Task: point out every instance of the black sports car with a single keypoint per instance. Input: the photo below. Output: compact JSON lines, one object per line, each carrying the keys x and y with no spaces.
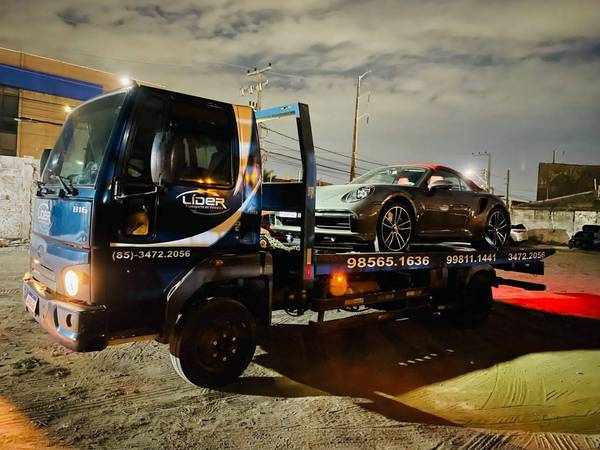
{"x":391,"y":207}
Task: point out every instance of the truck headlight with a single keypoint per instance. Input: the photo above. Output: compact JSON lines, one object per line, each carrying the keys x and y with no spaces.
{"x":71,"y":280}
{"x":359,"y":194}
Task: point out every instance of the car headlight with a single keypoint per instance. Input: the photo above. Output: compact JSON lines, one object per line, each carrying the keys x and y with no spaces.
{"x":71,"y":280}
{"x":359,"y":194}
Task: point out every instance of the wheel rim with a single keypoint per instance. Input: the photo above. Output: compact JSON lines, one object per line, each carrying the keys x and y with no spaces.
{"x":396,"y":228}
{"x":496,"y":230}
{"x":218,"y":346}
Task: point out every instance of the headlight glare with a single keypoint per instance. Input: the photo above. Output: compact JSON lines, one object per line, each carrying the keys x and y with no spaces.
{"x":71,"y":283}
{"x":359,"y":194}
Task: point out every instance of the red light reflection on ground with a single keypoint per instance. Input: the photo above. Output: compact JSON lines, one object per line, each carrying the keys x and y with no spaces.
{"x":580,"y":304}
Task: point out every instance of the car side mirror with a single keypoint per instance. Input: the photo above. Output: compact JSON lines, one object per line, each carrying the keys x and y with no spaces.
{"x":441,"y":185}
{"x":44,"y":159}
{"x":163,"y":159}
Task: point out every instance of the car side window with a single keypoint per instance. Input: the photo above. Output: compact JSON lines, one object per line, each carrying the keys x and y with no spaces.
{"x":448,"y":177}
{"x":203,"y":143}
{"x":464,"y":186}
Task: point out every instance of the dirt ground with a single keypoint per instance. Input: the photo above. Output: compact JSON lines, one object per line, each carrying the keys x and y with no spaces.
{"x":529,"y":378}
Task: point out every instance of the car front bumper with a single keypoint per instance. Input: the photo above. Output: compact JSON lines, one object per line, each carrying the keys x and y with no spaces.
{"x":353,"y":225}
{"x":78,"y":327}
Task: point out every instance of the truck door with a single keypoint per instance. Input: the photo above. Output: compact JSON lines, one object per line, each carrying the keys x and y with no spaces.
{"x":160,"y":231}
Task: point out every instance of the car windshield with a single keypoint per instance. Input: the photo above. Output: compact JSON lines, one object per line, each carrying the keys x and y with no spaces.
{"x":80,"y":147}
{"x":402,"y":176}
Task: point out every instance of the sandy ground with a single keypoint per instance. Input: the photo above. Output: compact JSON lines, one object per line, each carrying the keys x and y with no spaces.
{"x":529,"y":378}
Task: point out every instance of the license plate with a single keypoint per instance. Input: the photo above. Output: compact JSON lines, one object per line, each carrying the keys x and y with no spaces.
{"x":31,"y":302}
{"x":288,"y":214}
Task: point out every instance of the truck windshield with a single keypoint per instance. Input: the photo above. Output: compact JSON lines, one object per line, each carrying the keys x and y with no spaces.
{"x":80,"y":147}
{"x":402,"y":175}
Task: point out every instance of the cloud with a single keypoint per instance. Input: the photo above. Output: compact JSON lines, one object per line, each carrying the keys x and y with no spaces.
{"x":518,"y":78}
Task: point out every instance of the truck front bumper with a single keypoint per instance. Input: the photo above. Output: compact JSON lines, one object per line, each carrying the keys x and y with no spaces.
{"x":78,"y":327}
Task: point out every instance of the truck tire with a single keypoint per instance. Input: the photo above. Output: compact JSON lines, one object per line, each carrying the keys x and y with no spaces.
{"x":474,"y":304}
{"x":213,"y":342}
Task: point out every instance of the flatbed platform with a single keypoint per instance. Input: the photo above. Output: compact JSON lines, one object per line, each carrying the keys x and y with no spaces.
{"x":436,"y":257}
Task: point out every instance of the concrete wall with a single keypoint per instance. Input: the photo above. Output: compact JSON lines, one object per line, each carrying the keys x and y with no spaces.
{"x":17,"y":189}
{"x":553,"y":225}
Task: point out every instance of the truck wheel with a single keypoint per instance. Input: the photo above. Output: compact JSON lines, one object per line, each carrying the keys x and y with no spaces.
{"x":213,"y":343}
{"x":474,"y":303}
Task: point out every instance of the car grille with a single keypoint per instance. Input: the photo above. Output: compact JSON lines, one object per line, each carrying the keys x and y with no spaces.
{"x":333,"y":221}
{"x":289,"y":221}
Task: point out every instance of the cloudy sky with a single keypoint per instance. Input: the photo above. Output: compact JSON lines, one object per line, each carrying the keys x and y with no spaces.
{"x":515,"y":78}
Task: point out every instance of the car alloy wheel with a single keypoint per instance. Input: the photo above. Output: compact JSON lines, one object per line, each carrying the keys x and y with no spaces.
{"x":496,"y":229}
{"x":395,"y":229}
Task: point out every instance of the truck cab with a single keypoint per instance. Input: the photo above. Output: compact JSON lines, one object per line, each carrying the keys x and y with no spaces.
{"x":142,"y":186}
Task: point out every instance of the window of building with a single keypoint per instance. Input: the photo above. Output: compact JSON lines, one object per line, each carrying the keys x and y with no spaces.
{"x":9,"y":111}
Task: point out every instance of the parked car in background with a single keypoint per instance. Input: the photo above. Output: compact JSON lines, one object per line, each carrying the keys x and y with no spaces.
{"x":588,"y":238}
{"x":518,"y":234}
{"x":392,"y":207}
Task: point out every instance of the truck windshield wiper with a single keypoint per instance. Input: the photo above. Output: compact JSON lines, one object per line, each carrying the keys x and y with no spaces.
{"x":71,"y":190}
{"x":42,"y":189}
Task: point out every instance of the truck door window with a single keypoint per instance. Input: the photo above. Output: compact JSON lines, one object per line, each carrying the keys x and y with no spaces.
{"x":150,"y":119}
{"x":202,"y":138}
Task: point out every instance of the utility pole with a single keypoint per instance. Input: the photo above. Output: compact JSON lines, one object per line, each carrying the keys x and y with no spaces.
{"x":508,"y":188}
{"x":357,"y":118}
{"x":488,"y":177}
{"x":257,"y":87}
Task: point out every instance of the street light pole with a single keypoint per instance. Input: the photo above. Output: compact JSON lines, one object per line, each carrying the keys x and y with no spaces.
{"x":357,"y":118}
{"x":508,"y":202}
{"x":488,"y":177}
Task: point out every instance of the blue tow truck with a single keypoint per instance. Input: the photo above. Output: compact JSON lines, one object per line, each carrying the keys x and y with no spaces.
{"x":146,"y":225}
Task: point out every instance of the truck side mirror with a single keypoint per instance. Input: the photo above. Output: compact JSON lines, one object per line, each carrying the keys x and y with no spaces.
{"x":164,"y":159}
{"x":44,"y":159}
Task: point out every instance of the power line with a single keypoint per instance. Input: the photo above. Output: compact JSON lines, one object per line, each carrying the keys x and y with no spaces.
{"x":326,"y":173}
{"x":377,"y":163}
{"x":296,"y":151}
{"x":318,"y":164}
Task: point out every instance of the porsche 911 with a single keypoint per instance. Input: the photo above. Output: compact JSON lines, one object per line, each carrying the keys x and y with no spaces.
{"x":390,"y":208}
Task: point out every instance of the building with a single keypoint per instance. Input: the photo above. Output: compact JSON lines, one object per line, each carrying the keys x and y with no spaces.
{"x":36,"y":94}
{"x":559,"y":180}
